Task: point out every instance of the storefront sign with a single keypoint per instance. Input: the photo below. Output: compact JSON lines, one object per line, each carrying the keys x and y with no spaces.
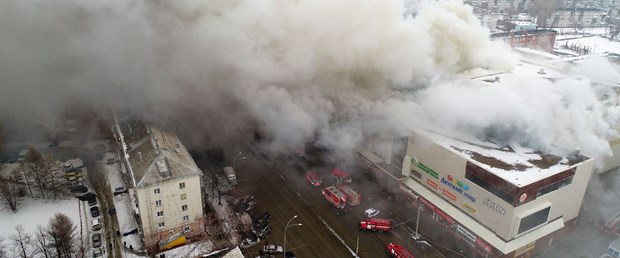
{"x":468,"y":235}
{"x":424,"y":168}
{"x":470,"y":209}
{"x":441,"y":190}
{"x":458,"y":186}
{"x":437,"y":211}
{"x":495,"y":206}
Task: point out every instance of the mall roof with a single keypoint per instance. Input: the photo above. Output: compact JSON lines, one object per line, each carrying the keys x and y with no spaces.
{"x":516,"y":164}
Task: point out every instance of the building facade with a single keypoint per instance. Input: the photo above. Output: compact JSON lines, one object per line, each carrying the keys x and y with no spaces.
{"x":502,"y":201}
{"x":577,"y":18}
{"x":534,"y":39}
{"x":165,"y":184}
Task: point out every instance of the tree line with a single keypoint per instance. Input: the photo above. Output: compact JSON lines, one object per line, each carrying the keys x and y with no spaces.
{"x":56,"y":240}
{"x":38,"y":176}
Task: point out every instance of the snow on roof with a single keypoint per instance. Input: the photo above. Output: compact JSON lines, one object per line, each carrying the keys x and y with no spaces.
{"x":516,"y":164}
{"x":156,"y":154}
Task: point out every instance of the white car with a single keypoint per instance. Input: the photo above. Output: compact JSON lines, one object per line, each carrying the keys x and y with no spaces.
{"x":96,"y":225}
{"x":371,"y":213}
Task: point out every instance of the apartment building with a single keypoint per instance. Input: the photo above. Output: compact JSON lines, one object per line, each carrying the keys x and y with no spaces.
{"x":165,"y":184}
{"x":577,"y":17}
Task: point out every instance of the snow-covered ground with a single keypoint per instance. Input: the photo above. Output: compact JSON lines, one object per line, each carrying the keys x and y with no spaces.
{"x":583,"y":31}
{"x":123,"y":203}
{"x":191,"y":250}
{"x":596,"y":44}
{"x":37,"y":212}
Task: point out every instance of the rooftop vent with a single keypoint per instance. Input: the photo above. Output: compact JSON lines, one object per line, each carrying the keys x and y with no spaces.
{"x":162,"y":166}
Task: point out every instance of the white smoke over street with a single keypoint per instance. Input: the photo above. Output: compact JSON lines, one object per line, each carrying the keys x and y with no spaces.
{"x":294,"y":70}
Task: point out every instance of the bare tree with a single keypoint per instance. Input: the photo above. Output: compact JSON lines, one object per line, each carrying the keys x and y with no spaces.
{"x":543,"y":10}
{"x":61,"y":231}
{"x":4,"y":252}
{"x":22,"y":171}
{"x":42,"y":242}
{"x":10,"y":192}
{"x":22,"y":242}
{"x":36,"y":167}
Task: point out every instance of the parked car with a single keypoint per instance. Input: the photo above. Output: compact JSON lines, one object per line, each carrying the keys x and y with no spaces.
{"x":371,"y":213}
{"x":249,"y":241}
{"x":271,"y":249}
{"x":262,"y":220}
{"x":289,"y":254}
{"x":79,"y":189}
{"x":96,"y":225}
{"x":97,"y":252}
{"x":94,"y":211}
{"x":92,"y":201}
{"x":313,"y":179}
{"x":249,"y":205}
{"x":96,"y":240}
{"x":262,"y":231}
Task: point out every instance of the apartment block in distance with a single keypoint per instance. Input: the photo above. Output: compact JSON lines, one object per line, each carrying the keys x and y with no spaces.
{"x":165,"y":184}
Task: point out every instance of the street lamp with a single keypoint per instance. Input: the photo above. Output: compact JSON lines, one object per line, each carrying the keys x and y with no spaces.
{"x":235,"y":160}
{"x":416,"y":235}
{"x":286,"y":228}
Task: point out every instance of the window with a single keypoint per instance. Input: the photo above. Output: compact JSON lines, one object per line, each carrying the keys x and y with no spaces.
{"x":489,"y":187}
{"x":160,"y":213}
{"x":161,"y":224}
{"x":534,"y":220}
{"x":182,"y":185}
{"x":184,"y":207}
{"x":555,"y":186}
{"x":156,"y":191}
{"x":186,"y":228}
{"x":186,"y":218}
{"x":158,"y":203}
{"x":183,"y":196}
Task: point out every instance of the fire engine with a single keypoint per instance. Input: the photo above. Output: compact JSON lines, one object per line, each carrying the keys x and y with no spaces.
{"x":343,"y":177}
{"x":353,"y":198}
{"x":376,"y":224}
{"x":396,"y":250}
{"x":334,"y":196}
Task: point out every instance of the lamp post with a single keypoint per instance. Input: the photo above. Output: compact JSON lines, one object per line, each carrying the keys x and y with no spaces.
{"x":416,"y":235}
{"x":286,"y":228}
{"x":238,"y":157}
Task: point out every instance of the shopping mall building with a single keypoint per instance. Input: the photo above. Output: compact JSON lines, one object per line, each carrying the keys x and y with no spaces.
{"x":501,"y":200}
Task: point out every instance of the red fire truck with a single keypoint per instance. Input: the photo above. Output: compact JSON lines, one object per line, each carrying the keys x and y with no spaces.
{"x":398,"y":251}
{"x":353,"y":198}
{"x":376,"y":224}
{"x":342,"y":176}
{"x":334,"y":196}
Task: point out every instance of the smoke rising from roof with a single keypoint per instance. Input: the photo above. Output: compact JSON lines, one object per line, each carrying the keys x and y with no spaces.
{"x":293,"y":70}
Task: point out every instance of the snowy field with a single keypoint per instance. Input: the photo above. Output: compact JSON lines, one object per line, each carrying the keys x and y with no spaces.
{"x":37,"y":212}
{"x":598,"y":44}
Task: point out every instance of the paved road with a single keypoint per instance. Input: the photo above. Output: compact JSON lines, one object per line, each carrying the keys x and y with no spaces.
{"x":280,"y":189}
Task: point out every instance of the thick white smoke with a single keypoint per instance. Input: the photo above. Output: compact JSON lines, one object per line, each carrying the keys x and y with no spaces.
{"x":294,"y":70}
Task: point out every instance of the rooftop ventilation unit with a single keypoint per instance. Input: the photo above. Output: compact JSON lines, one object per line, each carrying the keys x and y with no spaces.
{"x":162,"y":165}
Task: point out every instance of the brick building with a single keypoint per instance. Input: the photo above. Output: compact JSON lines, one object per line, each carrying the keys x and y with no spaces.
{"x":535,"y":39}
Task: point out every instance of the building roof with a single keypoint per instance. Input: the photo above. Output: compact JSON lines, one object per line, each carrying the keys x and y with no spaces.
{"x":515,"y":164}
{"x":520,"y":33}
{"x":156,"y":155}
{"x":580,"y":9}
